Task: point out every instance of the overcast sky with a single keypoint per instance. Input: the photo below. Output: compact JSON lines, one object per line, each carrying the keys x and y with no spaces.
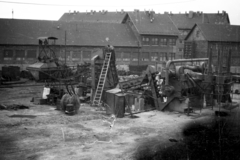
{"x":53,"y":9}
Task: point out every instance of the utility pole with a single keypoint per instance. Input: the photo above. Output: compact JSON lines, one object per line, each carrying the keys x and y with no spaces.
{"x":65,"y":47}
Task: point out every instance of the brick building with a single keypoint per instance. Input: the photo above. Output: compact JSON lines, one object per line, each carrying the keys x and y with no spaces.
{"x":202,"y":37}
{"x":139,"y":37}
{"x":185,"y":22}
{"x":19,"y":44}
{"x":157,"y":36}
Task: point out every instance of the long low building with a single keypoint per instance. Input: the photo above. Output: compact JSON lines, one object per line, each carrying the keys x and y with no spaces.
{"x":19,"y":40}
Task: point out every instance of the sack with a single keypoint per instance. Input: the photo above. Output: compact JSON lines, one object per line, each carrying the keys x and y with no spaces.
{"x":46,"y":91}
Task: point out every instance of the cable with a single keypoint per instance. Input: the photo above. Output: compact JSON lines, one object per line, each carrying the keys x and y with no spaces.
{"x":75,"y":5}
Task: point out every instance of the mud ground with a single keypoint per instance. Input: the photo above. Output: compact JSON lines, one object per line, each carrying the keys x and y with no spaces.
{"x":44,"y":133}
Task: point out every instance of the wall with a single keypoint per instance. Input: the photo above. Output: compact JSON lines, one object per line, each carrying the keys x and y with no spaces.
{"x":201,"y":49}
{"x":224,"y":47}
{"x":13,"y":59}
{"x":74,"y":55}
{"x":158,"y":52}
{"x":196,"y":35}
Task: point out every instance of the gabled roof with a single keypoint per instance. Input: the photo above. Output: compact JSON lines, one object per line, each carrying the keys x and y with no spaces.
{"x":188,"y":20}
{"x":160,"y":25}
{"x":218,"y":33}
{"x":26,"y":32}
{"x":103,"y":16}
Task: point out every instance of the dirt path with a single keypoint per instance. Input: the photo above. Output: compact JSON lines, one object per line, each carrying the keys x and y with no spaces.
{"x":43,"y":133}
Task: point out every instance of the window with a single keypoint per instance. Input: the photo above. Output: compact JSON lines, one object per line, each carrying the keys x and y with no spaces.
{"x":197,"y":33}
{"x":180,"y":41}
{"x":8,"y":55}
{"x":171,"y":42}
{"x":126,"y":56}
{"x":20,"y":55}
{"x":31,"y":54}
{"x":186,"y":32}
{"x":118,"y":56}
{"x":180,"y":49}
{"x":162,"y":56}
{"x":171,"y":56}
{"x":134,"y":56}
{"x":163,"y":41}
{"x":144,"y":56}
{"x":154,"y":56}
{"x":145,"y":40}
{"x":86,"y":55}
{"x":76,"y":56}
{"x":154,"y":41}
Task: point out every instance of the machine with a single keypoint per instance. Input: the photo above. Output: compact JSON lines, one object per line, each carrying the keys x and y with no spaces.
{"x":194,"y":79}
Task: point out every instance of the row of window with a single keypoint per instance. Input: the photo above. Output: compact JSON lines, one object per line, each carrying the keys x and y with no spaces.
{"x":156,"y":41}
{"x":86,"y":55}
{"x":225,"y":46}
{"x":19,"y":54}
{"x":145,"y":56}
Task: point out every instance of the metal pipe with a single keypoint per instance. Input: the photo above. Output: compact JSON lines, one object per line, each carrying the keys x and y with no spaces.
{"x":210,"y":60}
{"x":33,"y":85}
{"x":180,"y":60}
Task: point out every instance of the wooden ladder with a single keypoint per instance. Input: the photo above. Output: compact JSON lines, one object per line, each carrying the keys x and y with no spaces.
{"x":102,"y":80}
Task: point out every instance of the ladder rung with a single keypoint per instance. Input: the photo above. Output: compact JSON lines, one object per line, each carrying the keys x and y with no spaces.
{"x":102,"y":79}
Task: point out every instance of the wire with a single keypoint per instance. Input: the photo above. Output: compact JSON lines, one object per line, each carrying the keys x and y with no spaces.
{"x":75,"y":5}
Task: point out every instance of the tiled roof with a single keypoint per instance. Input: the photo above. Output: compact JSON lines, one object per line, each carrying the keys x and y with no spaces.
{"x":24,"y":32}
{"x":106,"y":17}
{"x":183,"y":21}
{"x":160,"y":25}
{"x":220,"y":33}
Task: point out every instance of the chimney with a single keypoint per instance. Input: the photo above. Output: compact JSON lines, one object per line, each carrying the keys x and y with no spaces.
{"x":203,"y":18}
{"x":151,"y":16}
{"x":122,"y":11}
{"x":165,"y":12}
{"x":190,"y":14}
{"x":223,"y":13}
{"x":136,"y":10}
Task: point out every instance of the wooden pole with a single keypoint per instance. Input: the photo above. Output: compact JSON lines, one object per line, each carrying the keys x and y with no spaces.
{"x":65,"y":47}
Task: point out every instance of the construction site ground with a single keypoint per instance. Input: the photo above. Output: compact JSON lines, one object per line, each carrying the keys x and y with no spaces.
{"x":44,"y":133}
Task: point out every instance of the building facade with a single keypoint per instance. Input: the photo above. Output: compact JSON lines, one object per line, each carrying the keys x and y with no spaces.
{"x":185,"y":22}
{"x":220,"y":39}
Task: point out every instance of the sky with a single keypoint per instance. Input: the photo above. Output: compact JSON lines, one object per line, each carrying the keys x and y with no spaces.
{"x":54,"y":9}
